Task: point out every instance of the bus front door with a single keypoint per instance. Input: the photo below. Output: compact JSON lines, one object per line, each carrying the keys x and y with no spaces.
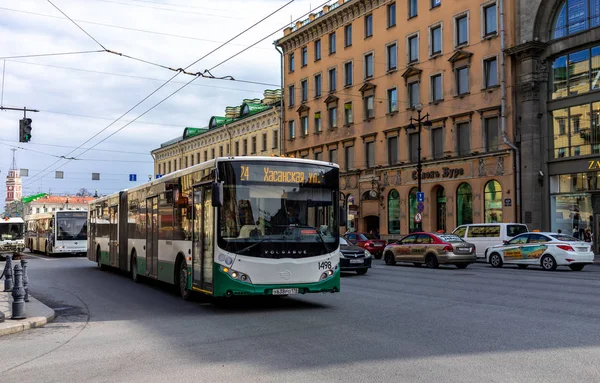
{"x":113,"y":250}
{"x":202,"y":238}
{"x":152,"y":237}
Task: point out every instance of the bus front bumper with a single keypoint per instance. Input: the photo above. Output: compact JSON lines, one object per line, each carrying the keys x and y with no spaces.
{"x":225,"y":286}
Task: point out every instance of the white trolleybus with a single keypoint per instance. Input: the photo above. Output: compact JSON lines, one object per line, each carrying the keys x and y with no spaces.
{"x":12,"y":232}
{"x":225,"y":227}
{"x":57,"y":232}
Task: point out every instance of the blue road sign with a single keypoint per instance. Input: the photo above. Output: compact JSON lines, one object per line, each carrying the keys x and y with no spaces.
{"x":133,"y":177}
{"x":420,"y":197}
{"x":420,"y":207}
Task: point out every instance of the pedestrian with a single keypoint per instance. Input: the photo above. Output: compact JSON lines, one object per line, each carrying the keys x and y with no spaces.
{"x":377,"y":235}
{"x":587,"y":235}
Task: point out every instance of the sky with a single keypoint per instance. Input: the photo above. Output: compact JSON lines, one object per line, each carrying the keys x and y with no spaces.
{"x":79,"y":95}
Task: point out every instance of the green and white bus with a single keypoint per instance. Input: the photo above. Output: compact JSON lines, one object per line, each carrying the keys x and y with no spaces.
{"x":226,"y":227}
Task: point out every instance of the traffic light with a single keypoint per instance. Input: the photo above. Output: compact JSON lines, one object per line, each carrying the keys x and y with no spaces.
{"x":25,"y":130}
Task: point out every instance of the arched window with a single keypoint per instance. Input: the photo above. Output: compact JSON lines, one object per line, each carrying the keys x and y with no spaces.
{"x":393,"y":212}
{"x":464,"y":204}
{"x":492,"y":202}
{"x":575,"y":16}
{"x":412,"y":209}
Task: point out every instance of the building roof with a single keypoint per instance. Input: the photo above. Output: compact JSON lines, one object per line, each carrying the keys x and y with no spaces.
{"x":74,"y":200}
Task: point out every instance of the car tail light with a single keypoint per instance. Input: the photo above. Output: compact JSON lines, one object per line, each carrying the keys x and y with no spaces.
{"x":569,"y":259}
{"x":565,"y":247}
{"x":368,"y":244}
{"x":448,"y":248}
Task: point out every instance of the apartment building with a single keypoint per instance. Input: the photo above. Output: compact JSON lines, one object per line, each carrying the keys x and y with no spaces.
{"x":356,"y":72}
{"x":252,"y":128}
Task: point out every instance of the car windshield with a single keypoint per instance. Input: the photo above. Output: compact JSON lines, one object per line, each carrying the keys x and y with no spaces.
{"x":449,"y":237}
{"x":518,"y":240}
{"x":344,"y":242}
{"x":564,"y":237}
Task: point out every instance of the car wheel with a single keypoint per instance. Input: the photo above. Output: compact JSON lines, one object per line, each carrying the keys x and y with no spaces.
{"x":462,"y":265}
{"x":183,"y":278}
{"x":431,"y":261}
{"x":389,"y":258}
{"x":548,"y":263}
{"x":496,"y":260}
{"x":417,"y":264}
{"x":576,"y":267}
{"x":362,"y":271}
{"x":522,"y":266}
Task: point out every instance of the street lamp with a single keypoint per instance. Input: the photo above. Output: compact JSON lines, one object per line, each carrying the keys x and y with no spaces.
{"x":426,"y":123}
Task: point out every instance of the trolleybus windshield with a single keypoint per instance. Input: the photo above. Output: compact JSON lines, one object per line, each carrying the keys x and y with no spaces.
{"x":278,"y":210}
{"x":71,"y":226}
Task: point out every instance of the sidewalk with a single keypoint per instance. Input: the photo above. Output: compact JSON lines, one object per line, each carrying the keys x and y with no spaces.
{"x":38,"y":314}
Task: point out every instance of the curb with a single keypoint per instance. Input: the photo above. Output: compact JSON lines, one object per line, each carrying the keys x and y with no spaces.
{"x":42,"y":315}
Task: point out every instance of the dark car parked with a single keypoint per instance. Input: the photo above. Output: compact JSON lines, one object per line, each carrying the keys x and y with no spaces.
{"x":354,"y":258}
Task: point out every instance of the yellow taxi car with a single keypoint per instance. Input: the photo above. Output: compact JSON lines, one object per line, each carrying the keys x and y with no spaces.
{"x":431,"y":249}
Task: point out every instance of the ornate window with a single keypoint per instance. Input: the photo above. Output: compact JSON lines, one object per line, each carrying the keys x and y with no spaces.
{"x":464,"y":204}
{"x":493,"y":202}
{"x":393,"y":212}
{"x":575,"y":16}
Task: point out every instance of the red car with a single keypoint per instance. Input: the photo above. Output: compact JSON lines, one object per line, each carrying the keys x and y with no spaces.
{"x":368,"y":242}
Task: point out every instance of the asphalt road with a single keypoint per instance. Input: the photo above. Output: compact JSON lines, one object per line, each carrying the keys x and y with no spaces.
{"x":395,"y":324}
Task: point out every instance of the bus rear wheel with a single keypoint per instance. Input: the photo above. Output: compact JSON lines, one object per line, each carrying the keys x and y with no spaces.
{"x":183,"y":282}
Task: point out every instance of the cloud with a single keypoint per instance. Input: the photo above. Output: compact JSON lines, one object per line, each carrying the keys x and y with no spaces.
{"x":62,"y":93}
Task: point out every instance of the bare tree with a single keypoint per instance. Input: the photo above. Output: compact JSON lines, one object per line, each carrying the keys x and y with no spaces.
{"x":83,"y":192}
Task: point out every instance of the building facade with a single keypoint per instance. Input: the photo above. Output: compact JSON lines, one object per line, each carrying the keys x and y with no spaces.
{"x":557,"y":66}
{"x":253,"y":128}
{"x":355,"y":74}
{"x":49,"y":203}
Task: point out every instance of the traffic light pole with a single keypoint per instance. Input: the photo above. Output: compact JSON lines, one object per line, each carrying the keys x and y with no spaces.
{"x":24,"y":109}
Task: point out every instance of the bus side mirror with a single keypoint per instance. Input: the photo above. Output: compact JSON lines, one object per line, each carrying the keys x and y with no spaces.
{"x":217,"y":194}
{"x":343,"y":218}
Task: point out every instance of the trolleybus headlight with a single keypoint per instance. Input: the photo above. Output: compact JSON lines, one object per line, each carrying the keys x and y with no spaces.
{"x":228,"y":260}
{"x":367,"y":253}
{"x":234,"y":274}
{"x":326,"y":274}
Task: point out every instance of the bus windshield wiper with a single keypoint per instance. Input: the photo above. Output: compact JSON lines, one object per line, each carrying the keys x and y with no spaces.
{"x":253,"y":245}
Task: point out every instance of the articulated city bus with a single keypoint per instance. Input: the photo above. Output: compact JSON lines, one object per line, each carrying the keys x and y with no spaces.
{"x":12,"y":230}
{"x":57,"y":232}
{"x":225,"y":227}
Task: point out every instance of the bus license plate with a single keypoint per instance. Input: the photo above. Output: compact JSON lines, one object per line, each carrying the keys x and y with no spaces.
{"x":356,"y":261}
{"x":285,"y":291}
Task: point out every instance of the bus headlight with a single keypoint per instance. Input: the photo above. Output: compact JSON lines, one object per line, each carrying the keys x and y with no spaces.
{"x":326,"y":274}
{"x":367,"y":254}
{"x":236,"y":275}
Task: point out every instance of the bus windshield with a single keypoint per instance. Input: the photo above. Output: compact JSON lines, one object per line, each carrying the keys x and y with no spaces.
{"x":11,"y":231}
{"x":71,"y":226}
{"x":278,"y":210}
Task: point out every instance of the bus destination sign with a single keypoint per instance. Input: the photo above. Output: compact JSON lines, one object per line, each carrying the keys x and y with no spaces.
{"x":276,"y":174}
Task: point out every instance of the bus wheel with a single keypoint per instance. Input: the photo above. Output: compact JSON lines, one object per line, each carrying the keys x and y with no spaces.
{"x":183,"y":281}
{"x":134,"y":269}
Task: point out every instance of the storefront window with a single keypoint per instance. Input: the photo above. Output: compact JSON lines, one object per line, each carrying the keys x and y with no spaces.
{"x":493,"y":202}
{"x":412,"y":209}
{"x":579,"y":72}
{"x":441,"y":208}
{"x":464,"y":204}
{"x":559,"y":77}
{"x":394,"y":212}
{"x":572,"y":213}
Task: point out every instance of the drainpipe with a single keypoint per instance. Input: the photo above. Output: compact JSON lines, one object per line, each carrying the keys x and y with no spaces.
{"x":503,"y":115}
{"x":281,"y":108}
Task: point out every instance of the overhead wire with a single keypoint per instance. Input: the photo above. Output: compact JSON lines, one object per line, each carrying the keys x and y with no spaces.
{"x":164,"y":99}
{"x":77,"y":25}
{"x":128,"y":28}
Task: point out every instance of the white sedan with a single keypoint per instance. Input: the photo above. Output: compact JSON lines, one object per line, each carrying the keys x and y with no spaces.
{"x":548,"y":250}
